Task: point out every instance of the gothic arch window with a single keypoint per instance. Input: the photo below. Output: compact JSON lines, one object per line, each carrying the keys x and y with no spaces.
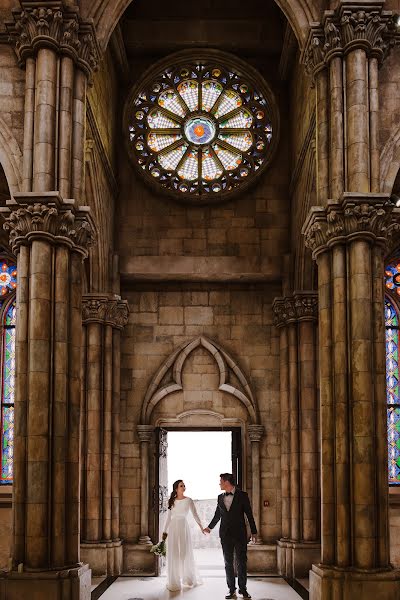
{"x":8,"y":284}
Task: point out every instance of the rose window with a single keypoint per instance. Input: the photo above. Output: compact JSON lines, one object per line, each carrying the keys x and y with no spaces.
{"x":201,"y":129}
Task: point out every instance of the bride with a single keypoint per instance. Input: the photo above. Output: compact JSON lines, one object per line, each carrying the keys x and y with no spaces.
{"x":181,"y":568}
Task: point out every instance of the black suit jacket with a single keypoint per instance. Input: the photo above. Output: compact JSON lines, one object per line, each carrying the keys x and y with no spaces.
{"x":232,"y":521}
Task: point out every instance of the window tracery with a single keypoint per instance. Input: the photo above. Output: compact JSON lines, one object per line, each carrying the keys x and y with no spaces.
{"x":200,"y":129}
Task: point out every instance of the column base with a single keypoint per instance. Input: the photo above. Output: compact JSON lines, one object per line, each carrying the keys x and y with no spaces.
{"x":295,"y":559}
{"x":71,"y":584}
{"x":104,"y":558}
{"x":341,"y":584}
{"x":138,"y":560}
{"x":261,"y":559}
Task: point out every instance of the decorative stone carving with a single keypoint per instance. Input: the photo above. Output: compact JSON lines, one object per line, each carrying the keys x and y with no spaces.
{"x":105,"y":309}
{"x":370,"y":216}
{"x":54,"y":25}
{"x":94,"y":309}
{"x":284,"y":311}
{"x":302,"y":306}
{"x":117,"y":313}
{"x":348,"y":27}
{"x":29,"y":216}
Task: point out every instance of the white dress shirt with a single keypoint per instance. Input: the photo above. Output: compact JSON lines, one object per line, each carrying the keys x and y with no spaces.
{"x":228,"y":500}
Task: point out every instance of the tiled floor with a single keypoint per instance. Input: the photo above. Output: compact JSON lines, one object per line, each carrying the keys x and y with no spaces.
{"x":211,"y":567}
{"x":141,"y":588}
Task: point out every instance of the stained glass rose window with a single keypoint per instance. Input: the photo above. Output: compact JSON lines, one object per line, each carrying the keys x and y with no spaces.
{"x":202,"y":127}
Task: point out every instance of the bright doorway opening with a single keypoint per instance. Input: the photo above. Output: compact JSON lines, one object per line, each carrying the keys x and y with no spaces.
{"x":198,"y":457}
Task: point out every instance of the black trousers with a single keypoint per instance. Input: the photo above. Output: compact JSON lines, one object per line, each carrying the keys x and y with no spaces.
{"x":230,"y":547}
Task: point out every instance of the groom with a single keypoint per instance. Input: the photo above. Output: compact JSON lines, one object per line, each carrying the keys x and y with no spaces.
{"x":231,"y":508}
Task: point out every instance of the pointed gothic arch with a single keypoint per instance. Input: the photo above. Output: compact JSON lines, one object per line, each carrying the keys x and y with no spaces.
{"x":158,"y":389}
{"x":107,"y":13}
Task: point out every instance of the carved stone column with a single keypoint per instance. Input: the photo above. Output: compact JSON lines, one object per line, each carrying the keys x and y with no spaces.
{"x":256,"y":433}
{"x":59,"y":51}
{"x":343,"y":54}
{"x":296,"y":318}
{"x":348,"y":240}
{"x":103,"y":317}
{"x":49,"y":235}
{"x":145,"y":433}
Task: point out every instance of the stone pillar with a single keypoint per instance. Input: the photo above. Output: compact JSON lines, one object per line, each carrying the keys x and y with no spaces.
{"x":145,"y":433}
{"x":295,"y":316}
{"x":348,"y":241}
{"x":343,"y":54}
{"x":103,"y":317}
{"x":256,"y":433}
{"x":59,"y":51}
{"x":49,"y":235}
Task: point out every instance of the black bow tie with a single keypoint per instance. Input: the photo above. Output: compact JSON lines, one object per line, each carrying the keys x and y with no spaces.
{"x":228,"y":493}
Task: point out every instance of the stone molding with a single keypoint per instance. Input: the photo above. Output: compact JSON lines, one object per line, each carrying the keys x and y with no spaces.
{"x":351,"y":26}
{"x":362,"y":216}
{"x":256,"y":432}
{"x":145,"y":433}
{"x":31,"y":215}
{"x":105,"y":309}
{"x":54,"y":25}
{"x":302,"y":306}
{"x":161,"y":385}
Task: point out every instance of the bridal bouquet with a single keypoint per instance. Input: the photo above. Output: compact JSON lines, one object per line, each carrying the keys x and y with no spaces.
{"x":159,"y":549}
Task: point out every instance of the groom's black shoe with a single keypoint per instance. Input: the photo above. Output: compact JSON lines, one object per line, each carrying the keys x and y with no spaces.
{"x":230,"y":595}
{"x":245,"y":594}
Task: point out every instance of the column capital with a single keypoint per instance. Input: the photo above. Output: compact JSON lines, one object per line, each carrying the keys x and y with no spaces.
{"x":256,"y":432}
{"x":284,"y":311}
{"x":106,"y":309}
{"x":351,"y":25}
{"x":145,"y":432}
{"x":302,"y":306}
{"x":46,"y":215}
{"x":365,"y":216}
{"x":53,"y":24}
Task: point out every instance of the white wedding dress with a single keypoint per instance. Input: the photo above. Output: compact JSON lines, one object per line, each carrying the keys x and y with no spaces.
{"x":181,"y":568}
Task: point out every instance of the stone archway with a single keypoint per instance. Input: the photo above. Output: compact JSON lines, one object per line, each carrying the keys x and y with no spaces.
{"x":390,"y":162}
{"x":167,"y":381}
{"x":159,"y":388}
{"x":107,"y":13}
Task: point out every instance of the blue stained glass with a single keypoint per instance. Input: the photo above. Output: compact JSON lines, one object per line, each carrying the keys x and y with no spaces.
{"x":8,"y":395}
{"x":8,"y":278}
{"x":392,"y":386}
{"x":393,"y":427}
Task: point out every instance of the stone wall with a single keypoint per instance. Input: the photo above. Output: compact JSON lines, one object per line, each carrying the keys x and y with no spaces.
{"x":239,"y":319}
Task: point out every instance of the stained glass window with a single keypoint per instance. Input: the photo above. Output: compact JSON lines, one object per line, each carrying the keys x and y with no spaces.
{"x":392,"y":390}
{"x":8,"y":284}
{"x":201,"y":128}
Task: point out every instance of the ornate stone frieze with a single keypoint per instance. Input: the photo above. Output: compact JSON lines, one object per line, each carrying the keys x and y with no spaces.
{"x":284,"y":311}
{"x":54,"y":25}
{"x":302,"y":306}
{"x":29,"y":216}
{"x":117,"y":313}
{"x":349,"y":26}
{"x":105,"y":309}
{"x":368,"y":216}
{"x":94,"y":308}
{"x":306,"y":305}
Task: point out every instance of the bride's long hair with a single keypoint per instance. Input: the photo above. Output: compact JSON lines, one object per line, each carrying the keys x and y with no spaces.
{"x":174,"y":493}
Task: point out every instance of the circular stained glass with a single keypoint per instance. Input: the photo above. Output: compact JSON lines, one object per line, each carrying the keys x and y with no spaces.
{"x":202,"y":128}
